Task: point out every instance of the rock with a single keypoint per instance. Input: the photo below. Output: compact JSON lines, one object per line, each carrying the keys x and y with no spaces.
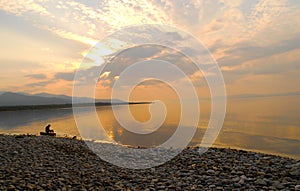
{"x":295,"y":172}
{"x":295,"y":169}
{"x":210,"y":171}
{"x":155,"y":180}
{"x":297,"y":165}
{"x":261,"y":182}
{"x":30,"y":186}
{"x":278,"y":185}
{"x":65,"y":164}
{"x":152,"y":170}
{"x":236,"y":179}
{"x":241,"y":182}
{"x":19,"y":137}
{"x":212,"y":186}
{"x":11,"y":187}
{"x":161,"y":187}
{"x":171,"y":186}
{"x":261,"y":173}
{"x":287,"y":179}
{"x":244,"y":177}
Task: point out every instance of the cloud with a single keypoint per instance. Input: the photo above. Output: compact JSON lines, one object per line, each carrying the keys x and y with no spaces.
{"x":67,"y":76}
{"x":88,"y":22}
{"x":264,"y":12}
{"x":105,"y":74}
{"x":36,"y":76}
{"x":245,"y":51}
{"x":244,"y":36}
{"x":39,"y":84}
{"x":72,"y":36}
{"x":70,"y":20}
{"x":21,"y":7}
{"x":82,"y":22}
{"x":133,"y":12}
{"x":277,"y":64}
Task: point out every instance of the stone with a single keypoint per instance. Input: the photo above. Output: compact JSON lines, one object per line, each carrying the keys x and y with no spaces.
{"x":68,"y":164}
{"x":244,"y":177}
{"x":278,"y":185}
{"x":212,"y":186}
{"x":236,"y":179}
{"x":295,"y":172}
{"x":261,"y":182}
{"x":241,"y":182}
{"x":210,"y":171}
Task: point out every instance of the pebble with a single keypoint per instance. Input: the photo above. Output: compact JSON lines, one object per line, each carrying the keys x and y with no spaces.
{"x":277,"y":185}
{"x":261,"y":182}
{"x":241,"y":182}
{"x":210,"y":171}
{"x":48,"y":163}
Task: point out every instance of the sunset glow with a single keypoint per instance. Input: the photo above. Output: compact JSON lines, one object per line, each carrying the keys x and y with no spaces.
{"x":255,"y":43}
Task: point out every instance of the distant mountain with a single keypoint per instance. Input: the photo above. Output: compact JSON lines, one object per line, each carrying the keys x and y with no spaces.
{"x":52,"y":95}
{"x":17,"y":99}
{"x":79,"y":99}
{"x":21,"y":99}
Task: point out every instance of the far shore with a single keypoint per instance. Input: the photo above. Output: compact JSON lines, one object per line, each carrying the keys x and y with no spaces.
{"x":65,"y":106}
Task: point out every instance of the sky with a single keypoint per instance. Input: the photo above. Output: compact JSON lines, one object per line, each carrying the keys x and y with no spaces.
{"x":256,"y":43}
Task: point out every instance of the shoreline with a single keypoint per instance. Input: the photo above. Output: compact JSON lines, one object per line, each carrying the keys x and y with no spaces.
{"x":64,"y":106}
{"x":216,"y":146}
{"x":49,"y":163}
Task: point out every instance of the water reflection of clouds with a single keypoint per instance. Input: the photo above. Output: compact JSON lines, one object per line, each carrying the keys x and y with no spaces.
{"x":292,"y":120}
{"x":261,"y":143}
{"x":275,"y":130}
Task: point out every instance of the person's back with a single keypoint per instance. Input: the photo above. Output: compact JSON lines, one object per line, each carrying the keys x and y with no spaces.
{"x":47,"y":129}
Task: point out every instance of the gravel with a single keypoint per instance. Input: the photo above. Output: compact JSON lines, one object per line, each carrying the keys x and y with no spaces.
{"x":49,"y":163}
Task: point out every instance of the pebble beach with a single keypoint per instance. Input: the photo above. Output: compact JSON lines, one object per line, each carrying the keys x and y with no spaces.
{"x":49,"y":163}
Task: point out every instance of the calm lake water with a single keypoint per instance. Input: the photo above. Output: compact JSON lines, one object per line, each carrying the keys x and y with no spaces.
{"x":270,"y":125}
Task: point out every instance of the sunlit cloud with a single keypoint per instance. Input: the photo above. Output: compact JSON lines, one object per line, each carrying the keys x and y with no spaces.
{"x":72,"y":36}
{"x":21,"y":7}
{"x":105,"y":75}
{"x":265,"y":12}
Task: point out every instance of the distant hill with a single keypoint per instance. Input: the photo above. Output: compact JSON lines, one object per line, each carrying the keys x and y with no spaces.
{"x":80,"y":99}
{"x":51,"y":95}
{"x":21,"y":99}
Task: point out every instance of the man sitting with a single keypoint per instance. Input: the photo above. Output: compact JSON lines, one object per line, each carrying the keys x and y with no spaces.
{"x":48,"y":130}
